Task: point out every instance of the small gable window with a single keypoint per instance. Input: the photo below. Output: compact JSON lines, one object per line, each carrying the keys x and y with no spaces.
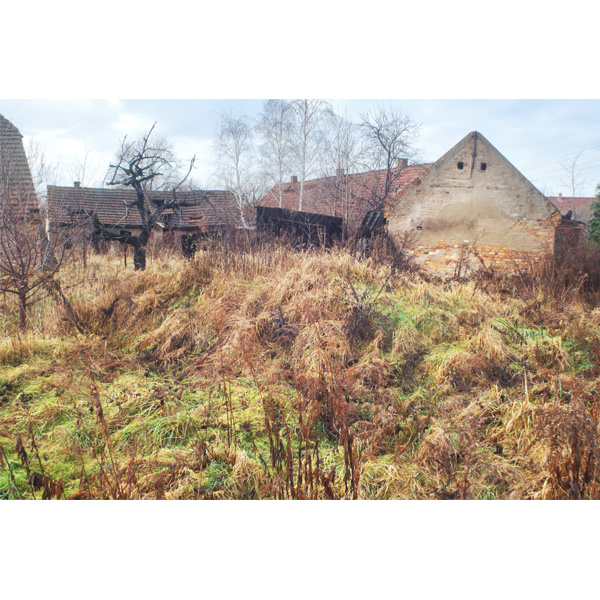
{"x":484,"y":166}
{"x":461,"y":165}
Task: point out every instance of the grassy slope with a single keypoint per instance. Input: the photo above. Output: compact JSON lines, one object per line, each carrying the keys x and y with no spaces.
{"x":277,"y":374}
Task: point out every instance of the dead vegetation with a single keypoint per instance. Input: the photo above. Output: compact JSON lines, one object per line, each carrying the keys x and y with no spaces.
{"x":255,"y":371}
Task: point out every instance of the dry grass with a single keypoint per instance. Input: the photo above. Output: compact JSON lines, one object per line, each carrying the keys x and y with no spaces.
{"x":260,"y":372}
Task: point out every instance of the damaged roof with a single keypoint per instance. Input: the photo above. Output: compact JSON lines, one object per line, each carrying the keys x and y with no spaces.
{"x":581,"y":207}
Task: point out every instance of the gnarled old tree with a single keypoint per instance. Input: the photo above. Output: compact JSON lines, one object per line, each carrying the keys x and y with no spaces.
{"x":144,"y":165}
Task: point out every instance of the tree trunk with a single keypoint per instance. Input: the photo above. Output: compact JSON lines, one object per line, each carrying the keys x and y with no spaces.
{"x":22,"y":310}
{"x":139,"y":258}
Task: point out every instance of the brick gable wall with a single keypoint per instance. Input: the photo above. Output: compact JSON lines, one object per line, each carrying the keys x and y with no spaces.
{"x":486,"y":209}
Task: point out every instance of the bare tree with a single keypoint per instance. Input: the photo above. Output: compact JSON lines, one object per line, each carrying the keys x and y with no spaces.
{"x":310,"y":120}
{"x":234,"y":148}
{"x":573,"y":177}
{"x":344,"y":150}
{"x":85,"y":170}
{"x":43,"y":173}
{"x":28,"y":259}
{"x":388,"y":136}
{"x":143,"y":165}
{"x":275,"y":127}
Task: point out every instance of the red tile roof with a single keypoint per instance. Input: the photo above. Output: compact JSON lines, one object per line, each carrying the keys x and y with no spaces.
{"x":325,"y":196}
{"x":213,"y":208}
{"x":581,"y":207}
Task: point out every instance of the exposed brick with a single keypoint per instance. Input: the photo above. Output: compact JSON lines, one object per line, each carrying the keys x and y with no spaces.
{"x":473,"y":216}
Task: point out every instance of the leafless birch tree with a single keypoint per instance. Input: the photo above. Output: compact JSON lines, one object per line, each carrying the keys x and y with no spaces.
{"x":344,"y":153}
{"x":573,"y":177}
{"x":309,"y":137}
{"x":275,"y":128}
{"x":237,"y":162}
{"x":84,"y":169}
{"x":43,"y":172}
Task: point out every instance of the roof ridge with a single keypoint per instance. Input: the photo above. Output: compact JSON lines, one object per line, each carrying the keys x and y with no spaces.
{"x":331,"y":177}
{"x":128,"y":189}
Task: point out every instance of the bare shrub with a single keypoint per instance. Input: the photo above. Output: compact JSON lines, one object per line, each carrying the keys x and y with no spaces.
{"x":571,"y":434}
{"x":29,"y":261}
{"x":556,"y":280}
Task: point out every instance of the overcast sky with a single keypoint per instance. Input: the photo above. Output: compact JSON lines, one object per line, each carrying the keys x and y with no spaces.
{"x":541,"y":138}
{"x":441,"y":50}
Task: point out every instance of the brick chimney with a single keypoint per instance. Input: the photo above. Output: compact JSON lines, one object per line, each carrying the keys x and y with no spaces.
{"x":77,"y":184}
{"x":402,"y":163}
{"x":294,"y":179}
{"x":339,"y":173}
{"x":560,"y":196}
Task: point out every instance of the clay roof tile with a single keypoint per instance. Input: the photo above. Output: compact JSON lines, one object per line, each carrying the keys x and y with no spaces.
{"x":326,"y":195}
{"x":211,"y":208}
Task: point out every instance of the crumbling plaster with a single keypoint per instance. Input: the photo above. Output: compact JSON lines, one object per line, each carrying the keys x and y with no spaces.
{"x":496,"y":208}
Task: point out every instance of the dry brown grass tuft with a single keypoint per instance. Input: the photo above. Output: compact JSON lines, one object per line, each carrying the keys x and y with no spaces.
{"x":321,"y":346}
{"x":460,"y":370}
{"x":437,"y":452}
{"x":179,"y":335}
{"x":548,"y":352}
{"x":489,"y":344}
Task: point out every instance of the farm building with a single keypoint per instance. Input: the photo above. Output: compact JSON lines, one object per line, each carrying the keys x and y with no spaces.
{"x":474,"y":201}
{"x":331,"y":206}
{"x":471,"y":201}
{"x":213,"y":211}
{"x":16,"y":184}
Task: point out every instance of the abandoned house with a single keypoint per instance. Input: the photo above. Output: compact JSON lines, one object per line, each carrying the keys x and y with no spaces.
{"x":324,"y":209}
{"x":16,"y":183}
{"x":212,"y":212}
{"x":473,"y":208}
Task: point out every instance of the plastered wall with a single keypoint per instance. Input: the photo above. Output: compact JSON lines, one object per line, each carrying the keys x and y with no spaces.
{"x":486,"y":205}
